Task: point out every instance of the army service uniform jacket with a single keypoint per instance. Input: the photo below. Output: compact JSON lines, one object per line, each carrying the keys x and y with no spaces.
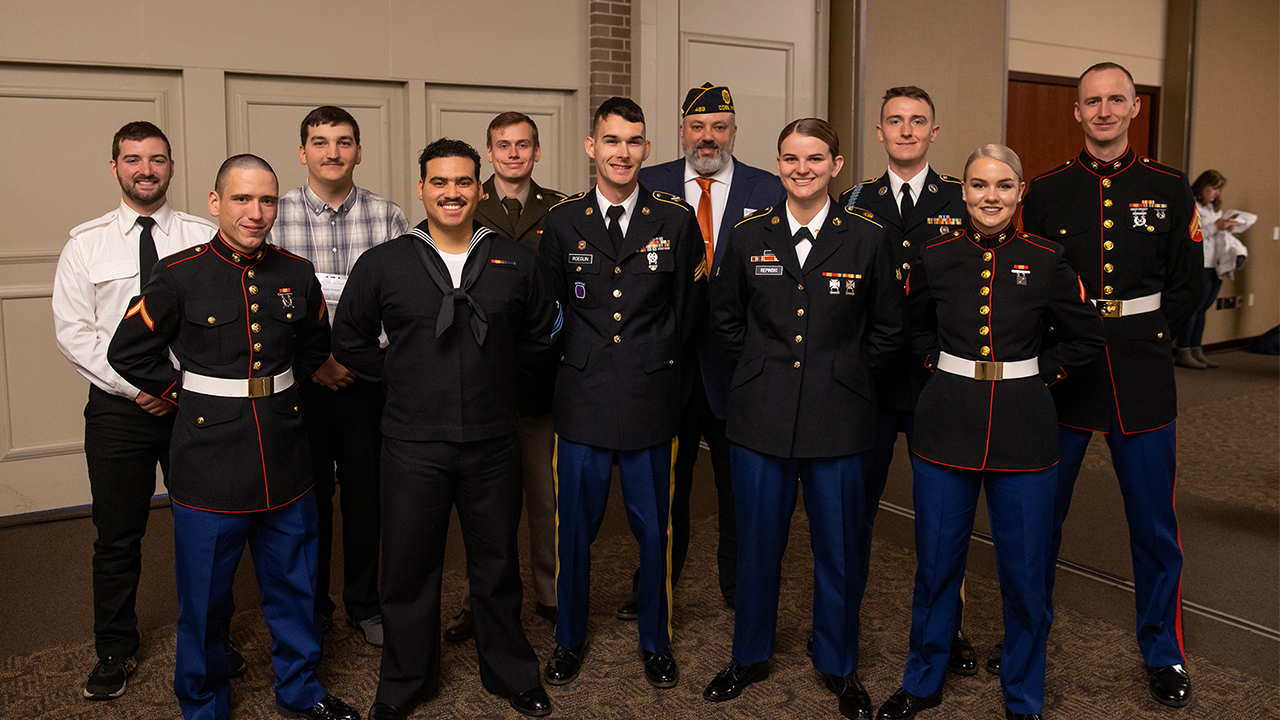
{"x":233,"y":316}
{"x":938,"y":211}
{"x":1130,"y":229}
{"x":806,"y":339}
{"x":629,"y":318}
{"x":991,"y":299}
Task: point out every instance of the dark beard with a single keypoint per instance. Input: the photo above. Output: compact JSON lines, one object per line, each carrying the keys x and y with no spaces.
{"x":709,"y":167}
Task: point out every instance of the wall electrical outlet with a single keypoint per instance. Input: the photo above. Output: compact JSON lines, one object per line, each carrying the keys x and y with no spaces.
{"x":1275,"y":233}
{"x":1250,"y":299}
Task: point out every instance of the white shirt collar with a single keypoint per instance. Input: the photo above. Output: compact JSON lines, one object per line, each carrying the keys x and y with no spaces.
{"x":814,"y":225}
{"x":916,"y":183}
{"x":128,"y":217}
{"x":628,"y":205}
{"x":724,"y":175}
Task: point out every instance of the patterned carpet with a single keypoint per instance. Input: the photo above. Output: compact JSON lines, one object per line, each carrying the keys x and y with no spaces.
{"x":1094,"y":669}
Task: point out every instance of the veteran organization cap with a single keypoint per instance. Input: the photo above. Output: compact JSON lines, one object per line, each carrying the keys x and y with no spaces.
{"x":707,"y":99}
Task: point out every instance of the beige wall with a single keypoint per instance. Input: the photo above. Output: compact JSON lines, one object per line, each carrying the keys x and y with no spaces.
{"x":1236,"y":131}
{"x":1051,"y":37}
{"x":958,"y":57}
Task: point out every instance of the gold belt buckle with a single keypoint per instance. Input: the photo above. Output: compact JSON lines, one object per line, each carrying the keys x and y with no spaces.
{"x":1111,"y":308}
{"x":988,"y":370}
{"x":261,"y":386}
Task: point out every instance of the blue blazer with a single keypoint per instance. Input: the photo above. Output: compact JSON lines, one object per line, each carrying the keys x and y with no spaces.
{"x":752,"y":189}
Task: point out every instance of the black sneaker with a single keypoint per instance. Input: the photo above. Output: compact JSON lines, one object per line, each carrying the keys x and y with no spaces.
{"x":109,"y":678}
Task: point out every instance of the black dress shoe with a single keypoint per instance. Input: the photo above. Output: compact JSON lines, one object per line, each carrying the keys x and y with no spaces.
{"x":1170,"y":685}
{"x":1011,"y":715}
{"x":962,"y":660}
{"x":902,"y":705}
{"x":460,"y":627}
{"x":329,"y":708}
{"x":545,"y":611}
{"x":383,"y":711}
{"x":993,"y":660}
{"x":564,"y":664}
{"x":236,"y":666}
{"x":855,"y":703}
{"x":629,"y":609}
{"x":533,"y":703}
{"x":731,"y":681}
{"x":660,"y":668}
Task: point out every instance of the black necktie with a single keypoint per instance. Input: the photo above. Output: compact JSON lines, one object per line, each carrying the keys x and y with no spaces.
{"x":802,"y":235}
{"x":147,"y":255}
{"x":513,"y":207}
{"x":615,"y":226}
{"x":907,"y":205}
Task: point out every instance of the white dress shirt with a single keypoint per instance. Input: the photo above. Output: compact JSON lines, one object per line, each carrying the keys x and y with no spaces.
{"x":719,"y":196}
{"x":628,"y":205}
{"x":917,"y":186}
{"x":98,"y":275}
{"x":804,"y":246}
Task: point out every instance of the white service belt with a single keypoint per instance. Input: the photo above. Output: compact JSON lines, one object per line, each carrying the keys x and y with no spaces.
{"x":237,"y":388}
{"x":1121,"y":308}
{"x":986,"y":370}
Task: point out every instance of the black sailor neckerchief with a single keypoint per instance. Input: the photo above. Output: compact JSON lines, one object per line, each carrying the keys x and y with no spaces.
{"x":477,"y":258}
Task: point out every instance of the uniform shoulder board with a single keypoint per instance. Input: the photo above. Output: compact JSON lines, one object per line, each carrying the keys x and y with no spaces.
{"x":1054,"y":171}
{"x":861,"y":213}
{"x":673,"y":199}
{"x":571,"y":198}
{"x":948,"y":178}
{"x":95,"y":223}
{"x":553,"y":195}
{"x":1144,"y":160}
{"x":187,"y":254}
{"x":754,"y":215}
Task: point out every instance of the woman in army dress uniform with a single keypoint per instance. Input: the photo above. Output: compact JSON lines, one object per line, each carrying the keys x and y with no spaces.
{"x":981,"y":300}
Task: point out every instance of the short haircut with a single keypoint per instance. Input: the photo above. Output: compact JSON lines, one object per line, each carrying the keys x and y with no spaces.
{"x":507,"y":119}
{"x":245,"y":161}
{"x":625,"y":108}
{"x":1107,"y":66}
{"x":1208,"y":179}
{"x":907,"y":91}
{"x":329,"y":115}
{"x":995,"y":152}
{"x":444,"y":147}
{"x":138,"y":131}
{"x":812,"y":127}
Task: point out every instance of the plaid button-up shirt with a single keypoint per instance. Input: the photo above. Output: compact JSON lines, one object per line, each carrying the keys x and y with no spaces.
{"x":334,"y":239}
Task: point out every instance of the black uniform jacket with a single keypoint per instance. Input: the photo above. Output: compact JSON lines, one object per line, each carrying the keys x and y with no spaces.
{"x":1130,"y":229}
{"x":992,"y":298}
{"x":806,"y":340}
{"x":751,"y":189}
{"x":537,"y":383}
{"x":939,"y":210}
{"x":228,"y":315}
{"x":441,"y":382}
{"x":629,"y":318}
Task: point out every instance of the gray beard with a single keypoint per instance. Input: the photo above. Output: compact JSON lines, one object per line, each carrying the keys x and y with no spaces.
{"x":712,"y":166}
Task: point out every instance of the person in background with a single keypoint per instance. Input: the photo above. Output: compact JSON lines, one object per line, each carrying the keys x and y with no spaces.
{"x":1208,"y":193}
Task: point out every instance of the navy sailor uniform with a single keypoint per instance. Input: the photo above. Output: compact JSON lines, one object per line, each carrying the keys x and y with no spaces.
{"x":981,"y":305}
{"x":1131,"y":230}
{"x":238,"y":464}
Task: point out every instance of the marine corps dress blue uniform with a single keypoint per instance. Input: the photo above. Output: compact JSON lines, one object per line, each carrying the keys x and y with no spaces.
{"x":1131,"y":230}
{"x":629,"y":315}
{"x":802,"y":408}
{"x":980,"y":306}
{"x":242,"y":327}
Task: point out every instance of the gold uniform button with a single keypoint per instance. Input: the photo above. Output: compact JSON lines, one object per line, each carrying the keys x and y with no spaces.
{"x":617,"y":293}
{"x":578,"y":269}
{"x":257,"y":347}
{"x":906,"y":266}
{"x":1151,"y":228}
{"x":1108,"y":245}
{"x":255,"y":327}
{"x":1061,"y":375}
{"x":288,"y":316}
{"x":1160,"y":336}
{"x":590,"y":210}
{"x":800,"y":312}
{"x":669,"y":362}
{"x":295,"y":408}
{"x":257,"y":365}
{"x":617,"y":270}
{"x":1063,"y":231}
{"x":986,"y":274}
{"x":1093,"y":165}
{"x":799,"y":287}
{"x":799,"y":338}
{"x":250,"y":274}
{"x":775,"y":221}
{"x":235,"y":256}
{"x":984,"y":310}
{"x":906,"y":243}
{"x":986,"y":256}
{"x":617,"y":338}
{"x":253,"y":307}
{"x":985,"y":351}
{"x":1108,"y":224}
{"x":1108,"y":290}
{"x":1108,"y":267}
{"x":253,"y":289}
{"x":984,"y":330}
{"x":617,"y":316}
{"x":173,"y":395}
{"x":212,"y":319}
{"x":985,"y":290}
{"x":1106,"y":182}
{"x":1107,"y":203}
{"x":199,"y":421}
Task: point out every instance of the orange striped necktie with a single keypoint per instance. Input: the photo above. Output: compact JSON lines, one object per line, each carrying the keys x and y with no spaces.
{"x":704,"y":219}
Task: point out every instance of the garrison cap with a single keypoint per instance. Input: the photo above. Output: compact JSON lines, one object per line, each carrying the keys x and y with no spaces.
{"x":707,"y":99}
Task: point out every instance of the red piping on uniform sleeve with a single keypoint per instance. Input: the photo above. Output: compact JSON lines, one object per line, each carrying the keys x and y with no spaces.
{"x":1173,"y":498}
{"x":165,"y":395}
{"x":1042,"y":247}
{"x":179,"y":261}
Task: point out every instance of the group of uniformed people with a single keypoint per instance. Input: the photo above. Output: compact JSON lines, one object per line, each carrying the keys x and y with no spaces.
{"x":500,"y":342}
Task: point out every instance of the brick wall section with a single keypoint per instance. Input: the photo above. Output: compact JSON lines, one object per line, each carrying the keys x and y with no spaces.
{"x":610,"y":62}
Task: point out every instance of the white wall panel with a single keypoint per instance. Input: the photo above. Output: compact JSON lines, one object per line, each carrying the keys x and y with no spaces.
{"x":761,"y":77}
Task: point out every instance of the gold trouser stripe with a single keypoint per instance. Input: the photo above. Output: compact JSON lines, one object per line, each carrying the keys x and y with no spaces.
{"x":671,"y":494}
{"x":555,"y":478}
